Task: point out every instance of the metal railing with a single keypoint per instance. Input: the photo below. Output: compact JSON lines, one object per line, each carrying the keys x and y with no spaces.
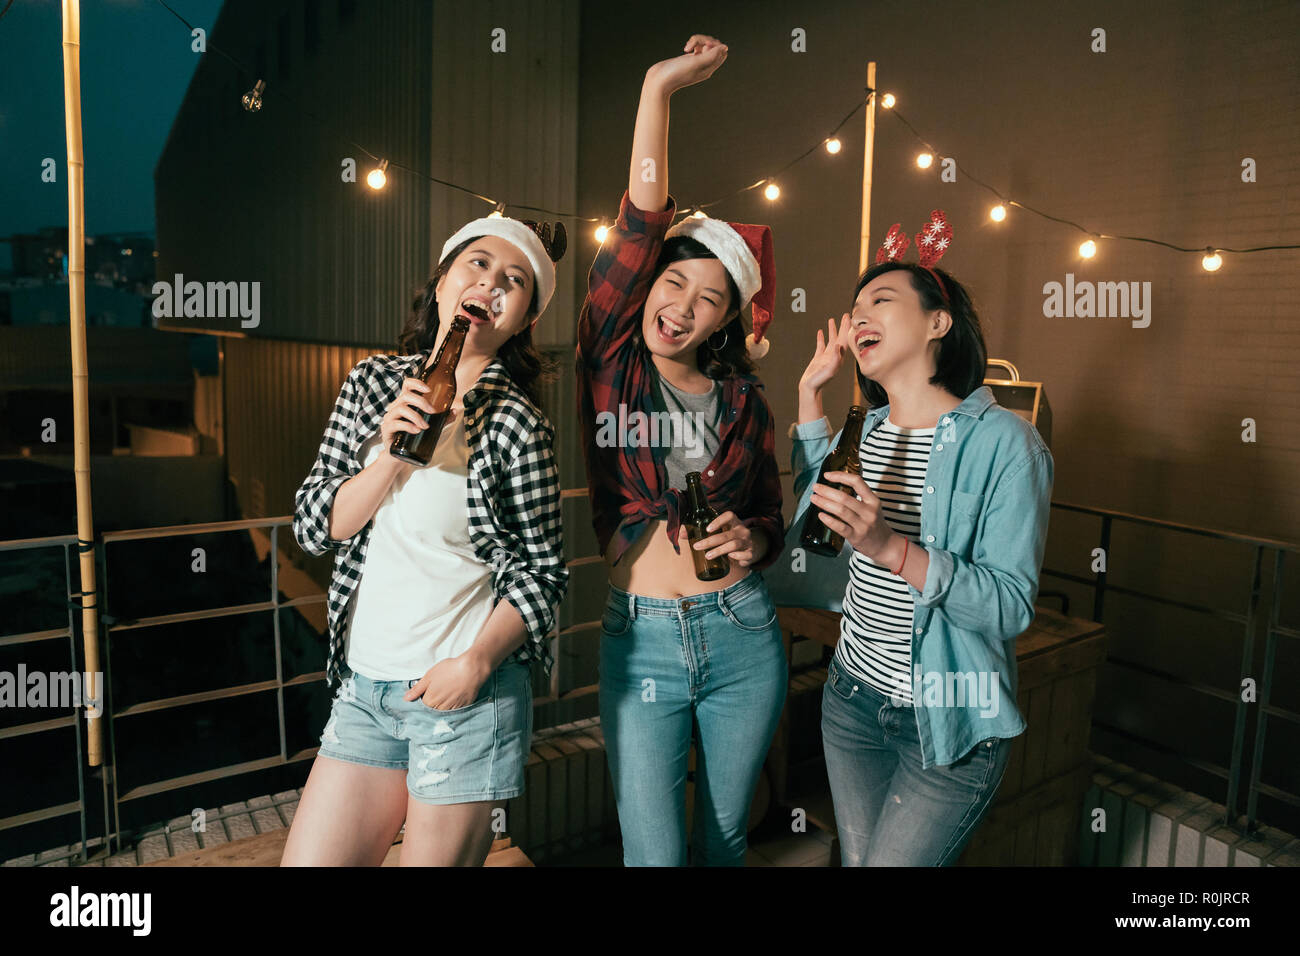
{"x":66,"y":542}
{"x":110,"y":627}
{"x":1246,"y":619}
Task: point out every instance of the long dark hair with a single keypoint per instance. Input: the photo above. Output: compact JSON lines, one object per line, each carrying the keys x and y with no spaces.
{"x":963,"y":356}
{"x":732,"y":358}
{"x":529,"y":368}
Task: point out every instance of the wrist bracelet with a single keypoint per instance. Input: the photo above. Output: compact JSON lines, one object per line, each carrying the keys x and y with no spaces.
{"x":906,"y":544}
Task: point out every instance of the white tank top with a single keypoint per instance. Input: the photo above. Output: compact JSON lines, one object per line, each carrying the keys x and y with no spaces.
{"x":424,"y":595}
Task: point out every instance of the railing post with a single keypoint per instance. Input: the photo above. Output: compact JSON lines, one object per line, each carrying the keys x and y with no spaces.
{"x":1265,"y":687}
{"x":279,"y":660}
{"x":1099,"y":590}
{"x":1239,"y":727}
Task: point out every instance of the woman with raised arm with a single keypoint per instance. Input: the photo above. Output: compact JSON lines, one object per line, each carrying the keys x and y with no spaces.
{"x":944,"y":531}
{"x":447,"y":575}
{"x":666,"y":389}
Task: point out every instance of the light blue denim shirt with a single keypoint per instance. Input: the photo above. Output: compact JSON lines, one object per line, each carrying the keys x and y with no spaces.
{"x":984,"y":512}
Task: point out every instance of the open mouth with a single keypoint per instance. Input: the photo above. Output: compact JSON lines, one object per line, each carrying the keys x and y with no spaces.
{"x":670,"y":331}
{"x":476,"y":311}
{"x":867,"y":341}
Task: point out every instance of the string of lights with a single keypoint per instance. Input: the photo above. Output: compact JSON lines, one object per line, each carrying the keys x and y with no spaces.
{"x":377,"y":178}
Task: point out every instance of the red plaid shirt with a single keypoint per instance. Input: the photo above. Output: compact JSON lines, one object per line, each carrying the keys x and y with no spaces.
{"x":614,"y":368}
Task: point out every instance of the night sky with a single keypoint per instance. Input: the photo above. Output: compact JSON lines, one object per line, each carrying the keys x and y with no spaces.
{"x":136,"y":63}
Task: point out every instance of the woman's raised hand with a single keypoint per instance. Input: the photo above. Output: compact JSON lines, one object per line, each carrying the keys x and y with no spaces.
{"x":828,"y":358}
{"x":702,"y":56}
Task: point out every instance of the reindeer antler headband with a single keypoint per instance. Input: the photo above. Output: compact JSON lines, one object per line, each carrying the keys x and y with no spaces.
{"x":931,"y":243}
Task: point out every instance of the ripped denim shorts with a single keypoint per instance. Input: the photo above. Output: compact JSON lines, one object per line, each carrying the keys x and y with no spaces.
{"x":464,"y":755}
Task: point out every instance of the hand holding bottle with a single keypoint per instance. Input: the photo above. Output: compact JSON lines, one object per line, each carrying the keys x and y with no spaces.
{"x":858,"y":520}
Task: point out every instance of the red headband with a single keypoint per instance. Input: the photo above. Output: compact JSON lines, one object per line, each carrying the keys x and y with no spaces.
{"x":931,"y":243}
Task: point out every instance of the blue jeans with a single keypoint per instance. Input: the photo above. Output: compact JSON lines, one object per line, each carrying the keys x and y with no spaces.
{"x":711,"y":664}
{"x":888,"y":811}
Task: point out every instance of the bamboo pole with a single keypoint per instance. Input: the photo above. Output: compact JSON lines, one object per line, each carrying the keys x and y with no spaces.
{"x":80,"y":378}
{"x":868,"y":151}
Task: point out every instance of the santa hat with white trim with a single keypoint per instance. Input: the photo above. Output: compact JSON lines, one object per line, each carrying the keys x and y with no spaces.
{"x":745,"y":251}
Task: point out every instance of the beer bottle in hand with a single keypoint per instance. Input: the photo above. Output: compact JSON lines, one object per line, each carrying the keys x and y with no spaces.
{"x":440,"y":376}
{"x":818,"y":537}
{"x":697,"y":517}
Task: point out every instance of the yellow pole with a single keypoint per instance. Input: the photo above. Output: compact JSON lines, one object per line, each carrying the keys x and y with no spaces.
{"x":864,"y":239}
{"x":80,"y":379}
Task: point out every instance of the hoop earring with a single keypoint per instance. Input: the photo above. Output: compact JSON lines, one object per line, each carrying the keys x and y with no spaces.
{"x":717,"y":348}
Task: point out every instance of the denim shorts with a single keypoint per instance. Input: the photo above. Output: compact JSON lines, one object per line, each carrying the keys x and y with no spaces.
{"x":472,"y":753}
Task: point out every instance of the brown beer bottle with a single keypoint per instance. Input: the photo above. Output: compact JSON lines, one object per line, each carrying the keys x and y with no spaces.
{"x":440,"y":376}
{"x":697,"y":517}
{"x":818,"y":537}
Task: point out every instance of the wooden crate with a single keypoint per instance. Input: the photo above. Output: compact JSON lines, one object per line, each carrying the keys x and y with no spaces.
{"x":1035,"y":815}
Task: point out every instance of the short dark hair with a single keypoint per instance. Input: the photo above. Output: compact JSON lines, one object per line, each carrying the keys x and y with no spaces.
{"x":733,"y":358}
{"x":963,"y":356}
{"x":529,"y":368}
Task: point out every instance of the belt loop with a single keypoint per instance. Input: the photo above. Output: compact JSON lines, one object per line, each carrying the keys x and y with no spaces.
{"x":721,"y":600}
{"x":631,"y":606}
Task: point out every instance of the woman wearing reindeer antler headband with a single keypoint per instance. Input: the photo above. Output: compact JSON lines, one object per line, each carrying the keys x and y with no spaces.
{"x":945,"y":529}
{"x":447,"y":575}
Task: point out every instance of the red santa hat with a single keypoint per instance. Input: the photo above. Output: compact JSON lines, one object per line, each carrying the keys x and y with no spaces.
{"x":745,"y":251}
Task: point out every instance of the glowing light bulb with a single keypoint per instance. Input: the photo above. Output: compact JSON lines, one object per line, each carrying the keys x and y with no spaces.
{"x":1212,"y":260}
{"x":601,"y":232}
{"x":888,"y":101}
{"x":772,"y":191}
{"x":924,"y":160}
{"x":833,"y":145}
{"x":377,"y":178}
{"x":998,"y":213}
{"x":252,"y":100}
{"x":699,"y":214}
{"x":1088,"y":249}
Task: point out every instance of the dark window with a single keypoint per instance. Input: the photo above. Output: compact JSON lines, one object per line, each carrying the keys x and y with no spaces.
{"x":310,"y":25}
{"x":282,"y":38}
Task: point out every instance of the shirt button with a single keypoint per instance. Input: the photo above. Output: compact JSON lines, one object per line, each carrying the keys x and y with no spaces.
{"x":930,"y":490}
{"x":918,"y":630}
{"x":710,"y":473}
{"x":938,"y":447}
{"x":947,"y":421}
{"x":929,"y":537}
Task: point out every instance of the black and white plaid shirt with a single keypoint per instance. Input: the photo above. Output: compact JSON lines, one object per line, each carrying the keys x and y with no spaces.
{"x":513,"y":496}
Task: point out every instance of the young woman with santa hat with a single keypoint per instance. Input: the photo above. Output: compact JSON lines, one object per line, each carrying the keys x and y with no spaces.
{"x":661,"y":339}
{"x":447,"y":576}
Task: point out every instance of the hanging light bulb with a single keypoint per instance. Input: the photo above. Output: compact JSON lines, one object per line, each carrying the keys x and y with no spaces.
{"x":377,"y":178}
{"x":924,"y":160}
{"x":998,"y":213}
{"x":1212,"y":260}
{"x":1088,"y":249}
{"x":601,"y":232}
{"x":833,"y":145}
{"x":253,"y":98}
{"x":888,"y":101}
{"x":772,"y":191}
{"x":499,"y":212}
